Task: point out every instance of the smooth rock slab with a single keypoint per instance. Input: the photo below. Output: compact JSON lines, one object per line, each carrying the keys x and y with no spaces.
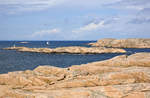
{"x":137,"y":59}
{"x":102,"y":79}
{"x":138,"y":90}
{"x":72,"y":50}
{"x":123,"y":43}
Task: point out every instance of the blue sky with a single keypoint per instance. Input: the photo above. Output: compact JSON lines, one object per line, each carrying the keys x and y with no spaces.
{"x":74,"y":19}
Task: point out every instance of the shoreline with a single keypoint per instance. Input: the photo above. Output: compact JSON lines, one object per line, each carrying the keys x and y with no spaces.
{"x":122,"y":43}
{"x":71,"y":50}
{"x":109,"y":78}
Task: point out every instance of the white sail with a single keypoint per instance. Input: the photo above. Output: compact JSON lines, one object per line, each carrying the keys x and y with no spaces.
{"x":47,"y":43}
{"x":24,"y":42}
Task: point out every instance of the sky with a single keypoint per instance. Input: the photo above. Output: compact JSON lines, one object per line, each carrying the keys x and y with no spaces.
{"x":74,"y":19}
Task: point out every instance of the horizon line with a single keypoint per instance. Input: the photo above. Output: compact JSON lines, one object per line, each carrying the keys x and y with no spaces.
{"x":48,"y":40}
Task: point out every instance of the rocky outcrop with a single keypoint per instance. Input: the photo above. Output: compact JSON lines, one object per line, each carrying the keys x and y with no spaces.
{"x":138,"y":59}
{"x":123,"y":43}
{"x":73,"y":50}
{"x":119,"y":77}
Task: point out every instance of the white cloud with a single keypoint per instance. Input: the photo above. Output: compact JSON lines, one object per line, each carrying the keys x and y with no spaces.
{"x":31,"y":2}
{"x":89,"y":3}
{"x":135,"y":7}
{"x":13,"y":6}
{"x":131,"y":4}
{"x":46,"y":32}
{"x":90,"y":27}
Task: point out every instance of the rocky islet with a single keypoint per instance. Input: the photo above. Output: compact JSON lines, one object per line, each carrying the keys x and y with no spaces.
{"x":71,"y":50}
{"x":123,"y":43}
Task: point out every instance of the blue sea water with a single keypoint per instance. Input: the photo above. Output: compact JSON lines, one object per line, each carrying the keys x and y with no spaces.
{"x":11,"y":60}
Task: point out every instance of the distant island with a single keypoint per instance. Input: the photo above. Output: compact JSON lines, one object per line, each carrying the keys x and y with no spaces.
{"x":123,"y":43}
{"x":71,"y":50}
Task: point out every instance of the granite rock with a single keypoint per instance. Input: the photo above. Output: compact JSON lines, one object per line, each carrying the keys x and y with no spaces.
{"x":71,"y":50}
{"x":123,"y":43}
{"x":102,"y":79}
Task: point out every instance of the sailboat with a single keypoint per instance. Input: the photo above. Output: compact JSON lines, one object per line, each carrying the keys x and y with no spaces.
{"x":47,"y":43}
{"x":24,"y":42}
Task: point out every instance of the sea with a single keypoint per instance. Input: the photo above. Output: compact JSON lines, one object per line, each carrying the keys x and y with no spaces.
{"x":11,"y":60}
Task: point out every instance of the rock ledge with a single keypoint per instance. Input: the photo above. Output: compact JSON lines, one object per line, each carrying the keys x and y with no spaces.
{"x":120,"y":77}
{"x":123,"y":43}
{"x":72,"y":50}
